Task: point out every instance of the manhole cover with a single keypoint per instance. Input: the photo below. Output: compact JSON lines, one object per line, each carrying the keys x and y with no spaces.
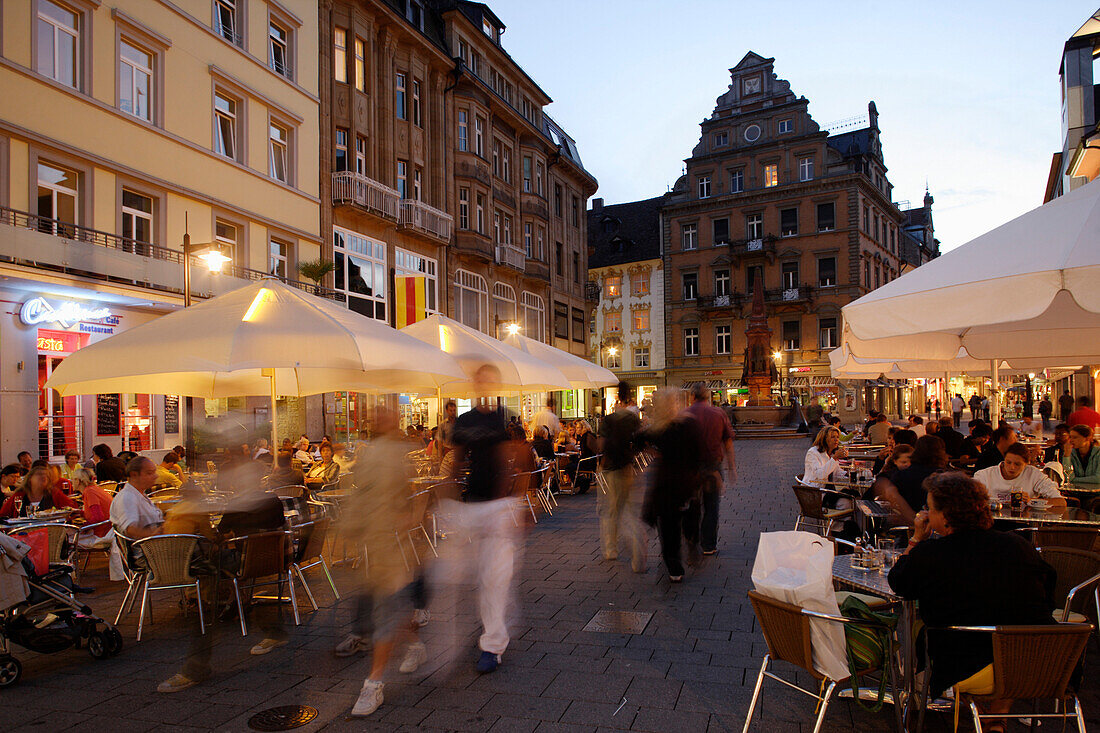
{"x":286,"y":717}
{"x":619,"y":622}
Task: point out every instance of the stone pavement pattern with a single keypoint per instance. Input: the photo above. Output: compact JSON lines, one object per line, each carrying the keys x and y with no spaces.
{"x":692,"y":669}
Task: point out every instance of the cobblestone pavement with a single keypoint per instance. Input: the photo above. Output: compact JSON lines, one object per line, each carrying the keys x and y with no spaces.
{"x":692,"y":669}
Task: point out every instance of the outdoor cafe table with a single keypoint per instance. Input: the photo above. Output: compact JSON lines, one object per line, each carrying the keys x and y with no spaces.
{"x":1050,"y":515}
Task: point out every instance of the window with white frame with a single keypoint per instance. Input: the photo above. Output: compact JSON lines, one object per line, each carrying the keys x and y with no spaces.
{"x":805,"y":169}
{"x":826,"y":333}
{"x":399,"y":97}
{"x":496,"y":227}
{"x":402,"y":179}
{"x":278,"y":48}
{"x":737,"y":181}
{"x":360,"y":155}
{"x":137,"y":219}
{"x":471,"y":299}
{"x":416,"y":118}
{"x":540,"y":237}
{"x":641,"y":357}
{"x":279,"y":148}
{"x":789,"y":275}
{"x":691,"y":285}
{"x":613,"y":322}
{"x":226,"y":21}
{"x":360,"y":272}
{"x":508,"y":229}
{"x":479,"y":213}
{"x":640,"y":318}
{"x":538,"y":177}
{"x":225,"y":234}
{"x":58,"y":191}
{"x":340,"y":54}
{"x":410,"y":263}
{"x":792,"y":335}
{"x":341,"y":145}
{"x":463,"y":130}
{"x":135,"y":80}
{"x":226,"y":126}
{"x":506,"y":164}
{"x":527,"y":239}
{"x":527,"y":174}
{"x":464,"y":208}
{"x":496,"y":158}
{"x":613,"y":360}
{"x":639,"y":284}
{"x":689,"y":234}
{"x":504,"y":308}
{"x":479,"y":136}
{"x":691,"y":341}
{"x":785,"y":125}
{"x":704,"y":187}
{"x":360,"y":64}
{"x":721,"y":282}
{"x":277,"y":254}
{"x":59,"y":43}
{"x":723,"y":337}
{"x":534,"y":316}
{"x":721,"y":139}
{"x":754,"y":226}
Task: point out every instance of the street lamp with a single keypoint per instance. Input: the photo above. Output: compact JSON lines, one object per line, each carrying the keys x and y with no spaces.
{"x":612,"y":352}
{"x":512,"y":329}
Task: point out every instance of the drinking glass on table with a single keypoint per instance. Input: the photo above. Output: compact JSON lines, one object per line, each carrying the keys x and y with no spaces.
{"x":18,"y":505}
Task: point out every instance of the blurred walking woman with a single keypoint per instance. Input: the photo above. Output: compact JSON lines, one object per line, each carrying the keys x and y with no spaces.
{"x":672,"y":500}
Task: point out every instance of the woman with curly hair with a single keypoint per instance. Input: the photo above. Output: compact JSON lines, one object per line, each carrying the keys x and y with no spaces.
{"x":968,"y":574}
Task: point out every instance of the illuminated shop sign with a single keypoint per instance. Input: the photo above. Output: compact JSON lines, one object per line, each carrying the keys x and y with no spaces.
{"x":65,"y":313}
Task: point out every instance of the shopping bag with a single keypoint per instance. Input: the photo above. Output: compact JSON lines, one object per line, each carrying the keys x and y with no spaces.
{"x":797,"y":568}
{"x":39,"y":541}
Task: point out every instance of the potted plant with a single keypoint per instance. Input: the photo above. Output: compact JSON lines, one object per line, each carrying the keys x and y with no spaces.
{"x":316,"y":269}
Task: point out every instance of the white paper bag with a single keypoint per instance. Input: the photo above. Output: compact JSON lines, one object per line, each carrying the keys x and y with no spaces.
{"x":797,"y":567}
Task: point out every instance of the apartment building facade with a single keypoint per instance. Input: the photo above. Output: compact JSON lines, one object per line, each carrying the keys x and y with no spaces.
{"x":768,"y":194}
{"x":136,"y":123}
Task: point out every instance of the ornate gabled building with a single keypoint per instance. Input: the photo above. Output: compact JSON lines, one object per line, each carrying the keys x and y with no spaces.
{"x":626,"y":281}
{"x":767,"y":192}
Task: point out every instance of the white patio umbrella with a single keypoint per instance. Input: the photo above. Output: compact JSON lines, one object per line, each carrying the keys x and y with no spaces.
{"x":519,"y":371}
{"x":581,"y":373}
{"x":1025,"y":289}
{"x":265,"y":338}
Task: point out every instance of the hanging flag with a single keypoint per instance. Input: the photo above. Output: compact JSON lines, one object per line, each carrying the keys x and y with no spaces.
{"x":410,"y":299}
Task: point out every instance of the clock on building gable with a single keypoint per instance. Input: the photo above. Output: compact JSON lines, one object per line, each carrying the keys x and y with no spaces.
{"x":752,"y":84}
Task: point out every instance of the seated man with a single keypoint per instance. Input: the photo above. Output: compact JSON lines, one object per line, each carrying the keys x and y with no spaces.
{"x":972,"y":446}
{"x":916,"y":424}
{"x":323,"y":472}
{"x":284,"y":474}
{"x":994,"y":452}
{"x":952,"y":438}
{"x":132,"y":514}
{"x":166,"y":476}
{"x":1014,"y":474}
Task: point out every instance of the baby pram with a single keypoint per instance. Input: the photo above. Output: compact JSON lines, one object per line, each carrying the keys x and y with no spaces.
{"x":50,"y":620}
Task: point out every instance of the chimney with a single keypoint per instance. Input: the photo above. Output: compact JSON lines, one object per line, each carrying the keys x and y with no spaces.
{"x":597,"y":204}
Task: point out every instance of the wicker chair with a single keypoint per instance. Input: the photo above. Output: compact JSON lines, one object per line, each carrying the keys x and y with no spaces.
{"x":1078,"y":579}
{"x":812,"y":511}
{"x":311,"y":546}
{"x":1031,"y":663}
{"x":168,"y":558}
{"x":263,"y":555}
{"x":61,"y":542}
{"x":1077,"y":538}
{"x":786,"y":630}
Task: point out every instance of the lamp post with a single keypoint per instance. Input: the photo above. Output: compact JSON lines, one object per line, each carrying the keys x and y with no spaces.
{"x":778,"y":357}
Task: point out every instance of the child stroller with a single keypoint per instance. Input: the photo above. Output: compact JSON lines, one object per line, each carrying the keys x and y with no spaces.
{"x":51,"y":620}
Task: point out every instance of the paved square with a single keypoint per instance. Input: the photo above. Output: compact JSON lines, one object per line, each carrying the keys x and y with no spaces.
{"x":619,"y":622}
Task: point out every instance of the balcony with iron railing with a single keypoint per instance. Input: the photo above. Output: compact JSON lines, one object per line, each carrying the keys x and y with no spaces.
{"x":349,"y":187}
{"x":763,"y":246}
{"x":511,"y":256}
{"x":417,"y":216}
{"x":71,"y":248}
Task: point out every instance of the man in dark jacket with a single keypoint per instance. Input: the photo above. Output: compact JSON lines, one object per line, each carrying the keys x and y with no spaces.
{"x":952,"y":439}
{"x":107,"y":467}
{"x":1065,"y":405}
{"x":994,"y":452}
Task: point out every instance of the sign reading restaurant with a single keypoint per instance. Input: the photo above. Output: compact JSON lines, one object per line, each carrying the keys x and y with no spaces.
{"x":66,"y":313}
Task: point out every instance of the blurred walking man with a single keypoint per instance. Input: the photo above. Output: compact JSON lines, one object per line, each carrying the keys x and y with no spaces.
{"x":617,"y":433}
{"x":717,"y":449}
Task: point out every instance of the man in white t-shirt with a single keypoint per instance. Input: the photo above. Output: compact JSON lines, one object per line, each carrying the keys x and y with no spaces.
{"x":1014,"y":474}
{"x":547,"y":419}
{"x":916,"y":424}
{"x":957,"y":406}
{"x":132,"y":513}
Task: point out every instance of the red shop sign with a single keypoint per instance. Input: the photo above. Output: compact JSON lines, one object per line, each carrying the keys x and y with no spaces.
{"x":60,"y":342}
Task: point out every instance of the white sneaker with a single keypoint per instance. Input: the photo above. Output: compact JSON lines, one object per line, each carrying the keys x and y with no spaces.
{"x":352,"y":644}
{"x":267,"y":645}
{"x":370,"y":698}
{"x":414,"y":657}
{"x":421,"y":616}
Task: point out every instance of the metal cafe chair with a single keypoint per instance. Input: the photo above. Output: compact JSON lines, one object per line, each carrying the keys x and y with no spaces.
{"x":421,"y":500}
{"x":812,"y":511}
{"x":265,"y":555}
{"x":1077,"y":573}
{"x":168,"y":558}
{"x":786,"y":629}
{"x":309,"y":553}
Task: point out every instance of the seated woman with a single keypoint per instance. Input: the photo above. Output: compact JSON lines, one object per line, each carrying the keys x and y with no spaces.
{"x":904,"y":490}
{"x":1014,"y":474}
{"x":589,"y":446}
{"x":71,"y":465}
{"x":325,"y":471}
{"x":541,"y":444}
{"x":37,"y":495}
{"x":970,"y":575}
{"x":97,"y":508}
{"x":1084,"y":459}
{"x":821,"y":458}
{"x":885,"y":453}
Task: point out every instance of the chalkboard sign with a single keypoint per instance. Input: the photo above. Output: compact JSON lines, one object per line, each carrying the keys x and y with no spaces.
{"x":108,"y":414}
{"x":171,"y":413}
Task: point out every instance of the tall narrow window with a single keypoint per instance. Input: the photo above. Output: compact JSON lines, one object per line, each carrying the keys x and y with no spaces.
{"x":704,"y":187}
{"x":640,"y":317}
{"x":557,"y":200}
{"x":788,"y":222}
{"x":527,"y":174}
{"x":479,"y":136}
{"x":278,"y":46}
{"x":576,"y":211}
{"x":639,"y":284}
{"x":360,"y":155}
{"x":58,"y":43}
{"x":416,"y":104}
{"x":226,"y":236}
{"x":806,"y":169}
{"x":826,"y":330}
{"x":527,"y":243}
{"x":278,"y":139}
{"x":399,"y":97}
{"x":689,"y":236}
{"x":691,"y":342}
{"x":506,"y":164}
{"x":754,"y":226}
{"x":417,"y":182}
{"x":722,"y":338}
{"x":771,"y":175}
{"x":225,"y":21}
{"x":559,"y":266}
{"x":340,"y":54}
{"x":737,"y":181}
{"x":360,"y":65}
{"x":576,"y":268}
{"x":137,"y":220}
{"x":276,"y":258}
{"x":721,"y":231}
{"x":826,"y":217}
{"x":612,"y":286}
{"x":480,"y":213}
{"x":538,"y":178}
{"x":135,"y":80}
{"x":57,"y":197}
{"x":225,"y":125}
{"x":463,"y":130}
{"x":721,"y":282}
{"x":540,"y":237}
{"x":463,"y":208}
{"x":341,"y":162}
{"x":792,"y":335}
{"x":691,"y":286}
{"x":641,"y":357}
{"x":789,"y":271}
{"x":402,"y":178}
{"x":496,"y":158}
{"x":826,"y":272}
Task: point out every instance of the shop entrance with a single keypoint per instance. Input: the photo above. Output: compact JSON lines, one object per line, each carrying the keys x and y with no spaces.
{"x":59,"y":425}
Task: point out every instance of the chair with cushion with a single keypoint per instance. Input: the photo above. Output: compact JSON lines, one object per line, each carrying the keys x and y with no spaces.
{"x":812,"y":512}
{"x":168,"y":559}
{"x":786,"y":629}
{"x":1077,"y":586}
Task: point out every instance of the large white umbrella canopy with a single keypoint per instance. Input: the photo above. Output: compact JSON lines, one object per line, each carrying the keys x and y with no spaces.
{"x":844,"y":365}
{"x":233,"y":345}
{"x":581,"y":373}
{"x":519,"y":371}
{"x":1025,"y":289}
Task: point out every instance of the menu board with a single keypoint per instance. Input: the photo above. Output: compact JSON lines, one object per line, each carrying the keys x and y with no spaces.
{"x":171,"y":414}
{"x":108,"y":414}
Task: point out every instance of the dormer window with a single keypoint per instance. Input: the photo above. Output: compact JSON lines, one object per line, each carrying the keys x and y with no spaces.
{"x":488,"y":28}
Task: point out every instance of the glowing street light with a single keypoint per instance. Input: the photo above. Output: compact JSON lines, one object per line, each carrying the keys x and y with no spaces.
{"x":512,"y":329}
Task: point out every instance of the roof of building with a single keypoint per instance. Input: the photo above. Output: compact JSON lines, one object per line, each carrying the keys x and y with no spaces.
{"x":628,"y":232}
{"x":915,"y":217}
{"x":848,"y":144}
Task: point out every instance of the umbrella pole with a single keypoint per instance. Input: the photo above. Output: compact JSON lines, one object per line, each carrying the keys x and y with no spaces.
{"x":270,"y":373}
{"x":994,"y":401}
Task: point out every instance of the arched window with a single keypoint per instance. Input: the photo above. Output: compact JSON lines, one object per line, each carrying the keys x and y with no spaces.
{"x":504,"y":308}
{"x":471,"y":299}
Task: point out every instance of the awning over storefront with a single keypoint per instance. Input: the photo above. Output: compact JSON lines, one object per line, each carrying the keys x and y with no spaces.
{"x":822,"y":382}
{"x":712,"y":384}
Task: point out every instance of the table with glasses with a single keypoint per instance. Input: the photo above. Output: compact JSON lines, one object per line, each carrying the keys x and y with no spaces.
{"x":1050,"y":515}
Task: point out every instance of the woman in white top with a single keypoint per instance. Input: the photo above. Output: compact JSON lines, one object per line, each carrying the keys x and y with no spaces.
{"x":821,"y":458}
{"x":1014,"y":474}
